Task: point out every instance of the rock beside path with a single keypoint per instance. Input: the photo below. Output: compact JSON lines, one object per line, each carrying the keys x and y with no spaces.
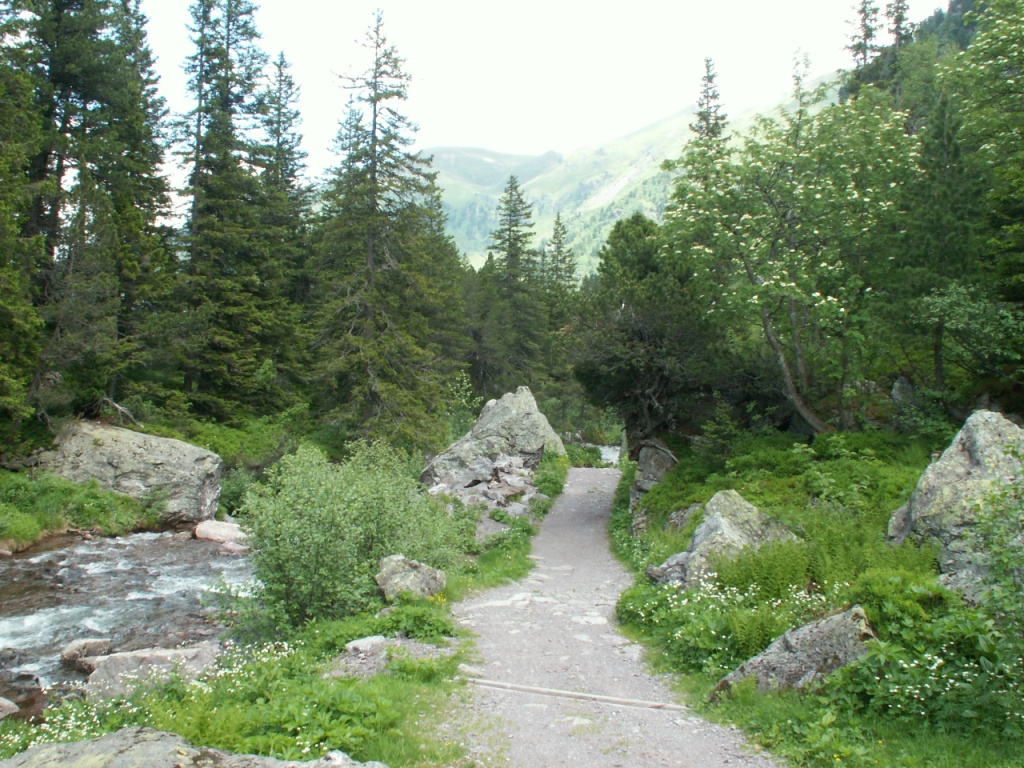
{"x":146,"y":748}
{"x":943,"y":507}
{"x":398,"y":575}
{"x":730,"y":525}
{"x":806,"y":654}
{"x":511,"y":426}
{"x":184,"y":477}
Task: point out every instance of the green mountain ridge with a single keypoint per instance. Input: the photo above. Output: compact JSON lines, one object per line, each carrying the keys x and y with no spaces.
{"x":591,"y":188}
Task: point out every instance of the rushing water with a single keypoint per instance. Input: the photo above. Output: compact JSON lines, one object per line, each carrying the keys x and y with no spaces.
{"x":610,"y":454}
{"x":140,"y":591}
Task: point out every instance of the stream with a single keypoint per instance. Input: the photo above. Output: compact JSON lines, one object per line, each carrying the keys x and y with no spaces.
{"x":141,"y":591}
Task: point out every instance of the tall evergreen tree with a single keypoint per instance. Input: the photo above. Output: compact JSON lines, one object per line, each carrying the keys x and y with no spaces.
{"x":388,"y":277}
{"x":98,"y":191}
{"x":20,"y":325}
{"x":711,"y":120}
{"x":863,"y":45}
{"x":233,"y":293}
{"x":897,"y":14}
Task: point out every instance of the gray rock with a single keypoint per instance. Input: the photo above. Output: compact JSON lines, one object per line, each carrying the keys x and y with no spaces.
{"x":220,"y":532}
{"x":145,"y":748}
{"x":365,"y":645}
{"x":679,"y":519}
{"x":399,"y":574}
{"x":186,"y":478}
{"x":77,"y":650}
{"x":511,"y":426}
{"x":730,"y":525}
{"x":120,"y":673}
{"x":943,"y":506}
{"x":806,"y":654}
{"x":24,"y":690}
{"x":7,"y":708}
{"x":654,"y":462}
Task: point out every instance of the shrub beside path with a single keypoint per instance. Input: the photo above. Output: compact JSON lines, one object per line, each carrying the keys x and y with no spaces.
{"x":555,"y":630}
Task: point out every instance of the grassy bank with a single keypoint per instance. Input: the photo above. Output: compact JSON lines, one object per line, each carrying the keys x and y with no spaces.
{"x":942,"y":685}
{"x":32,"y":508}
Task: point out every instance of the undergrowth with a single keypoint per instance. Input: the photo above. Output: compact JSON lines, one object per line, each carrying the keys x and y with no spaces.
{"x":33,"y":507}
{"x":941,"y":686}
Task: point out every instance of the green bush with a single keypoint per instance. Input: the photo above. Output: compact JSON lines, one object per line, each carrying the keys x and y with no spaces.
{"x":318,"y":530}
{"x":584,"y":455}
{"x":16,"y":526}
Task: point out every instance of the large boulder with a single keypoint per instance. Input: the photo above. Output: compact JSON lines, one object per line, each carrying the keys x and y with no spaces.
{"x":511,"y":426}
{"x":184,"y":477}
{"x":135,"y":747}
{"x":806,"y":654}
{"x":120,"y":673}
{"x":398,"y":575}
{"x":730,"y":525}
{"x":653,"y":463}
{"x":944,"y":505}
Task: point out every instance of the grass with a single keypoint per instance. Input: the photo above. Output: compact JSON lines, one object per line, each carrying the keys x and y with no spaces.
{"x":34,"y":507}
{"x":837,"y":495}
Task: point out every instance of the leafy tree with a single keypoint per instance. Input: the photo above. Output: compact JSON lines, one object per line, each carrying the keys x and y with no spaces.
{"x":786,"y":235}
{"x":388,"y":276}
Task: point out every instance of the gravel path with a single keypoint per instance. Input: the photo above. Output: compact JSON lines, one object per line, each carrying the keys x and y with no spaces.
{"x":555,"y":630}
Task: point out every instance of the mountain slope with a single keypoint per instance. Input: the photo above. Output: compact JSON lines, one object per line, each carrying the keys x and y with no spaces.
{"x":591,"y":188}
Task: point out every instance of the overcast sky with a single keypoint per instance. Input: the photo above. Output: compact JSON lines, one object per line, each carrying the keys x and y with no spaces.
{"x":534,"y":75}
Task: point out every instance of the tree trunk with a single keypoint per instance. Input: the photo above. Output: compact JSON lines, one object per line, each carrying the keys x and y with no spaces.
{"x":792,"y":393}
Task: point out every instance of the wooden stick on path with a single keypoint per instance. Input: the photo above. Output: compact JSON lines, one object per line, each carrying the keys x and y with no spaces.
{"x":577,"y":695}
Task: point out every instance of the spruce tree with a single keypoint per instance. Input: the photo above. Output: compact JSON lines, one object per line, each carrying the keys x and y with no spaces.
{"x":98,"y":192}
{"x":711,"y":120}
{"x":863,"y":45}
{"x":237,"y":319}
{"x":388,"y":277}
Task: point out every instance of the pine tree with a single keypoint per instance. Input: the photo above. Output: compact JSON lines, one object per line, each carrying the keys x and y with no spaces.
{"x":20,"y":325}
{"x":388,"y":277}
{"x":237,"y":319}
{"x":902,"y":31}
{"x":862,"y":42}
{"x":99,"y":191}
{"x":510,"y":241}
{"x":711,"y":120}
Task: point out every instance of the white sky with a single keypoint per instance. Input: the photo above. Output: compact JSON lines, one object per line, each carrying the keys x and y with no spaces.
{"x":534,"y":75}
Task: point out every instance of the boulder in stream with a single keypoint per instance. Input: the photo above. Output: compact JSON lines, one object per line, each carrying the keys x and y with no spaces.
{"x":85,"y":647}
{"x":183,"y":476}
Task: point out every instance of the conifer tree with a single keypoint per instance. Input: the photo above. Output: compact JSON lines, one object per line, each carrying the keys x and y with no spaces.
{"x":236,"y":315}
{"x":99,"y":191}
{"x":711,"y":120}
{"x":863,"y":45}
{"x":388,"y":276}
{"x":897,"y":14}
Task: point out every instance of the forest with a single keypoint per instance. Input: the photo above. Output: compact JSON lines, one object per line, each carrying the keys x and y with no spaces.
{"x":864,"y":237}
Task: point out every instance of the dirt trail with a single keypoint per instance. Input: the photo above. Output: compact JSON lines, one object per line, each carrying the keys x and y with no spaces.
{"x":555,"y":630}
